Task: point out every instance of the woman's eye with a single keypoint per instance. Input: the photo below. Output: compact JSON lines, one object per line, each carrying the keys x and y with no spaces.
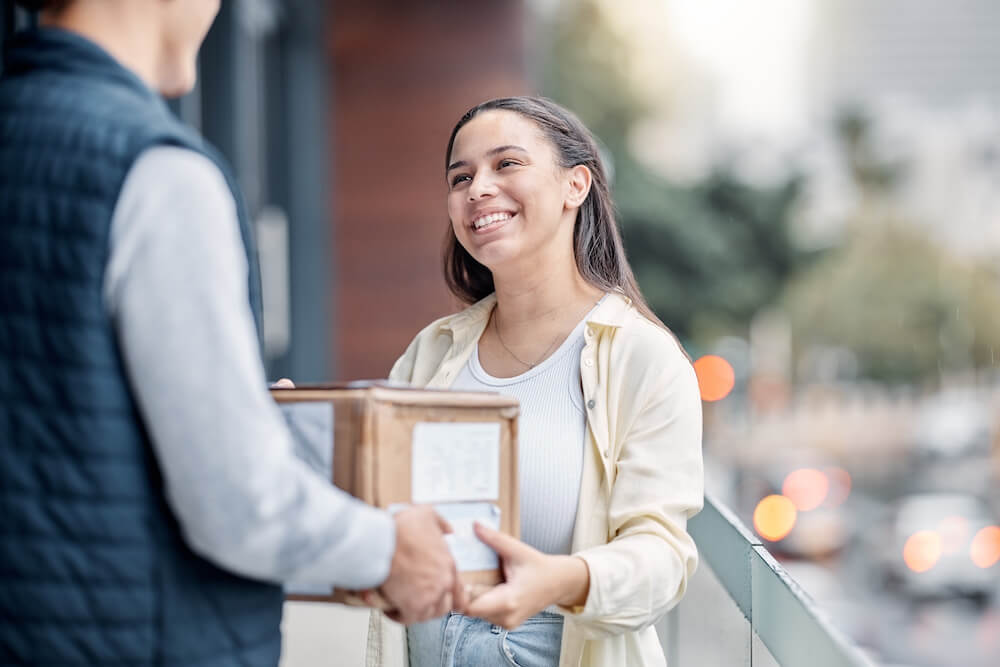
{"x":506,"y":163}
{"x":459,"y":179}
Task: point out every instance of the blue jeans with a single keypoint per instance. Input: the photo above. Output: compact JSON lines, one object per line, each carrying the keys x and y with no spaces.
{"x":461,"y":641}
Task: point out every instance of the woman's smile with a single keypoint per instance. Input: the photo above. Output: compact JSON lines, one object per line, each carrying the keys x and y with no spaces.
{"x":485,"y":223}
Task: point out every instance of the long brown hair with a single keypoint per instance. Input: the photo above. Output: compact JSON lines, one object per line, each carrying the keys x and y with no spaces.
{"x":597,"y":241}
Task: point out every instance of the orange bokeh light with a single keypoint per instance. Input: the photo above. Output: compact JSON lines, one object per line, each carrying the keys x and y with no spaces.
{"x":715,"y":377}
{"x":840,"y":486}
{"x":774,"y":517}
{"x":922,"y":550}
{"x":806,"y":487}
{"x":985,"y":550}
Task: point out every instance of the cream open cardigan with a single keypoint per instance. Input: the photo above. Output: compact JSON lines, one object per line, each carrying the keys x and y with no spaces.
{"x":642,"y":478}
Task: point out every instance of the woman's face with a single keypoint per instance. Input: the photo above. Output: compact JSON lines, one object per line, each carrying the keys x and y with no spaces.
{"x":508,"y":198}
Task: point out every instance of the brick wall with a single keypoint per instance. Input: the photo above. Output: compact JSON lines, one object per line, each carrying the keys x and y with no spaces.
{"x":404,"y":72}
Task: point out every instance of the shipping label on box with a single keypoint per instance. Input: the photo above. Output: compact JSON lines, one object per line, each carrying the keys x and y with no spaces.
{"x":454,"y":461}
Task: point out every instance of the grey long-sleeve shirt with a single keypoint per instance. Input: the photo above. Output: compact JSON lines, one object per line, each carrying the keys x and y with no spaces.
{"x":176,"y":289}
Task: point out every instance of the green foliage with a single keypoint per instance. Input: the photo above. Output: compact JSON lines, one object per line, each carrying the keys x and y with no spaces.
{"x":585,"y":65}
{"x":906,"y":308}
{"x":709,"y":256}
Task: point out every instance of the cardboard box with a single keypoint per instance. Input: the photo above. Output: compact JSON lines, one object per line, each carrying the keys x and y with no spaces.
{"x":394,"y":446}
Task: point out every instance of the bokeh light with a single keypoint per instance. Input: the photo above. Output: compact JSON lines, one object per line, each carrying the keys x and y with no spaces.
{"x":922,"y":550}
{"x":774,"y":517}
{"x":806,"y":487}
{"x":985,"y":549}
{"x":716,"y":377}
{"x":840,"y":486}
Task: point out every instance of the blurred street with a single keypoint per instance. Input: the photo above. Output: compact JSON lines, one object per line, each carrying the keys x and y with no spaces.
{"x":903,"y":601}
{"x":897,"y":628}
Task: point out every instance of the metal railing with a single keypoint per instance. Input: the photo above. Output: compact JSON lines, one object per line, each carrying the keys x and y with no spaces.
{"x":743,"y":608}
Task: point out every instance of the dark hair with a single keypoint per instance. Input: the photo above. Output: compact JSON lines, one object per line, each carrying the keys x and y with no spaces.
{"x":597,"y":242}
{"x":42,"y":5}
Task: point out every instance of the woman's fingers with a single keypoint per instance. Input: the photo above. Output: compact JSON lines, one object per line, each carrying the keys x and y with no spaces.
{"x":473,"y":591}
{"x":505,"y":545}
{"x":498,"y":606}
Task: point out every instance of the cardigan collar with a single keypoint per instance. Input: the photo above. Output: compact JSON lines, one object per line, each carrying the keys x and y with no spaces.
{"x":611,"y":312}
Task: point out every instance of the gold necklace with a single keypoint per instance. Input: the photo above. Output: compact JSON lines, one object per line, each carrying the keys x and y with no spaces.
{"x":496,"y":327}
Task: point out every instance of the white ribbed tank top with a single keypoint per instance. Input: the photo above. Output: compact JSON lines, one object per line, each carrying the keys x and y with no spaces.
{"x":551,"y":434}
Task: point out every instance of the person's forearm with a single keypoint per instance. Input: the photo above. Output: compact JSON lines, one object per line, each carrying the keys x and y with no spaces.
{"x":573,"y":581}
{"x":281,"y":524}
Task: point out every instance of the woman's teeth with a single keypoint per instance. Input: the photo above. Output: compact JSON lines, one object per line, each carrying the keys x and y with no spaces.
{"x":491,"y":219}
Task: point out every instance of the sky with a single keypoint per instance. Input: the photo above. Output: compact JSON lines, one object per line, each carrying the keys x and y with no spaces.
{"x":756,"y":52}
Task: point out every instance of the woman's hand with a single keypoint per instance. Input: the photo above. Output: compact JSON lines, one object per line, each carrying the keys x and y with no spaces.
{"x":534,"y":581}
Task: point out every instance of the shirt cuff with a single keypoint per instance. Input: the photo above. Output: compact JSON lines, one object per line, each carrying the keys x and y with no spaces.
{"x":594,"y":606}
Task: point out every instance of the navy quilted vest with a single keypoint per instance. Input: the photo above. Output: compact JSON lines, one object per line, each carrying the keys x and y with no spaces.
{"x":93,"y":569}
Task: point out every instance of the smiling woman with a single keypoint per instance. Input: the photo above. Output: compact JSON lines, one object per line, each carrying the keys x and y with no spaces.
{"x":609,"y":450}
{"x":561,"y":142}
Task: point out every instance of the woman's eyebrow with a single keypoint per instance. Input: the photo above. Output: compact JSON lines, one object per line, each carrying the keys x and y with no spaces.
{"x":492,"y":151}
{"x":504,"y":149}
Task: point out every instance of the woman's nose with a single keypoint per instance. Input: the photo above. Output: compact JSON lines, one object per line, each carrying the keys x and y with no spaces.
{"x":482,"y":186}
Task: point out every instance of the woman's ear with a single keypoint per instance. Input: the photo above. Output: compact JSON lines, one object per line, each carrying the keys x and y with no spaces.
{"x":579,"y":182}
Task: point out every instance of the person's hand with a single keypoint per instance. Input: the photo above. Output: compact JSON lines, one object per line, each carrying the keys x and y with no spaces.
{"x":283,"y":383}
{"x":534,"y":581}
{"x":423,"y":582}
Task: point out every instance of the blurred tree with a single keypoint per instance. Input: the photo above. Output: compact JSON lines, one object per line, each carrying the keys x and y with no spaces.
{"x":905,"y":307}
{"x":874,"y":174}
{"x":584,"y":70}
{"x":908,"y":309}
{"x":708,"y":256}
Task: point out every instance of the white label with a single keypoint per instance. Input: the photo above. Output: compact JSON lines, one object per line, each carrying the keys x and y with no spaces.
{"x":311,"y":426}
{"x":455,"y":461}
{"x":469,"y":552}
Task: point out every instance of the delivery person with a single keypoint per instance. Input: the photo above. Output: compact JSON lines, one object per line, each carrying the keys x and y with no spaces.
{"x":151,"y":505}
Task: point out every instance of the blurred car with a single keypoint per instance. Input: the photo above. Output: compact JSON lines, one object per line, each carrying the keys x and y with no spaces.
{"x":923,"y":547}
{"x":818,"y":489}
{"x":952,"y":442}
{"x":953,"y":424}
